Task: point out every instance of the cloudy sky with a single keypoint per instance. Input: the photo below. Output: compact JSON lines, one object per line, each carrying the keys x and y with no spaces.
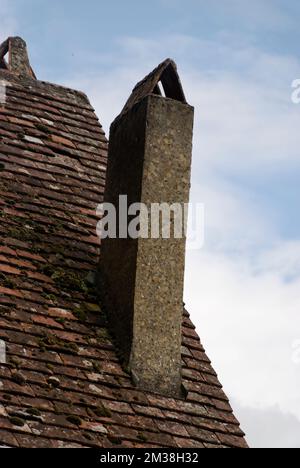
{"x":237,"y":61}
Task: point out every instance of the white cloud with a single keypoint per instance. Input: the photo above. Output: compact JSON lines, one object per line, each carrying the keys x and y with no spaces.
{"x":283,"y":259}
{"x":248,"y":323}
{"x":245,"y":119}
{"x":233,"y":219}
{"x":269,"y":427}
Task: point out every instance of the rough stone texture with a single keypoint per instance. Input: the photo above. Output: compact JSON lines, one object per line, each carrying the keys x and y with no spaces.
{"x":156,"y":348}
{"x":18,"y":57}
{"x":63,"y":385}
{"x":150,"y":160}
{"x":118,"y":256}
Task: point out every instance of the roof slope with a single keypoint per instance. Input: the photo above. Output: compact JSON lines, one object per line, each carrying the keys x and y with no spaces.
{"x":63,"y":385}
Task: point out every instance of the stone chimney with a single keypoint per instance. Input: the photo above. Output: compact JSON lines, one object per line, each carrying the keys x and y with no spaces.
{"x":18,"y":61}
{"x":149,"y":161}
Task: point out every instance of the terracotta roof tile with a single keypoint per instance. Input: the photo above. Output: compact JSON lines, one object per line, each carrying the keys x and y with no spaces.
{"x":63,"y":385}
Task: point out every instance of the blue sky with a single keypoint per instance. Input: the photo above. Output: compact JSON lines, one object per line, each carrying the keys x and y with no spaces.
{"x":237,"y":61}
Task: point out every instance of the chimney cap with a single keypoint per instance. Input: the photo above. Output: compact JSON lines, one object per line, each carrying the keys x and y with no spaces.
{"x":18,"y":61}
{"x":165,"y":74}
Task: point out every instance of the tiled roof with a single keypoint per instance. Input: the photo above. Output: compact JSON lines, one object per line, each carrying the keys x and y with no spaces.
{"x":63,"y":385}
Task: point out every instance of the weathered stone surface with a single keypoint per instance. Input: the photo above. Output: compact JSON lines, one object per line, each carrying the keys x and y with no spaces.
{"x":149,"y":160}
{"x":18,"y":61}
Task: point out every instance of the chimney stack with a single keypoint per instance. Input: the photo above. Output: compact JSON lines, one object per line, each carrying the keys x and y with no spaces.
{"x":149,"y":161}
{"x":18,"y":61}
